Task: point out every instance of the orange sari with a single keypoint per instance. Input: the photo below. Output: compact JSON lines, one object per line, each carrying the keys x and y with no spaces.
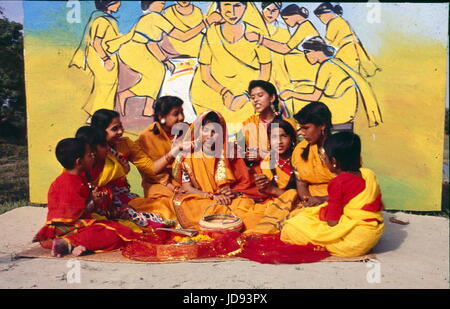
{"x":207,"y":174}
{"x":158,"y":197}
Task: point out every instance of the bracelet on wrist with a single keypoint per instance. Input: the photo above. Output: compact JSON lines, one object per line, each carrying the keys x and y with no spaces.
{"x":106,"y":58}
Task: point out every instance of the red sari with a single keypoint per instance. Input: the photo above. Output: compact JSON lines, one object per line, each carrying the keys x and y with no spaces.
{"x":68,"y":218}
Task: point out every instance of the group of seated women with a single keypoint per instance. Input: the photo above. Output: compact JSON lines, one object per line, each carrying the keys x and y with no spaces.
{"x":313,"y":191}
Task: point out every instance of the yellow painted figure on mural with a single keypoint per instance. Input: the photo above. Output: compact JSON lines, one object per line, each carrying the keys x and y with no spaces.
{"x":139,"y":50}
{"x":228,"y":62}
{"x":184,"y":16}
{"x":92,"y":54}
{"x":338,"y":86}
{"x":278,"y":33}
{"x":301,"y":74}
{"x":341,"y":36}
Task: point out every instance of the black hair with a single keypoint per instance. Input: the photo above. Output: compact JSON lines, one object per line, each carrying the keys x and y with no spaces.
{"x":92,"y":136}
{"x":102,"y":118}
{"x":211,"y":117}
{"x":345,"y":147}
{"x":327,"y":7}
{"x":278,"y":5}
{"x":218,"y":4}
{"x":294,"y":9}
{"x":317,"y":43}
{"x":163,"y":106}
{"x":287,"y":127}
{"x":68,"y":150}
{"x":269,"y":88}
{"x":316,"y":113}
{"x":145,"y":5}
{"x":103,"y":5}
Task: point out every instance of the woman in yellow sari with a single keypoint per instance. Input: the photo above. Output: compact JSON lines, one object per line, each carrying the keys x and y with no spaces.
{"x":253,"y":136}
{"x":140,"y":51}
{"x":228,"y":62}
{"x":338,"y":86}
{"x":340,"y":35}
{"x":350,"y":223}
{"x":122,"y":150}
{"x":301,"y":73}
{"x":276,"y":178}
{"x":161,"y":140}
{"x":92,"y":54}
{"x":184,"y":15}
{"x":310,"y":170}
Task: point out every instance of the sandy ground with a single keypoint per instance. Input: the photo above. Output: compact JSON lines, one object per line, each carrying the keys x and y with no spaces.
{"x":411,"y":256}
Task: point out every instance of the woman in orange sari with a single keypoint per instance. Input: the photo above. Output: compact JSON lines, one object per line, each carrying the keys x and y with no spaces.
{"x":205,"y":174}
{"x":161,"y":141}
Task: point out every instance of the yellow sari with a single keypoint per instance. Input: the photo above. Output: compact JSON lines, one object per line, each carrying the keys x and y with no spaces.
{"x":280,"y":76}
{"x":302,"y":74}
{"x":190,"y":48}
{"x":352,"y":236}
{"x":233,"y":65}
{"x":312,"y":171}
{"x":349,"y":49}
{"x":158,"y":198}
{"x":103,"y":93}
{"x":269,"y":216}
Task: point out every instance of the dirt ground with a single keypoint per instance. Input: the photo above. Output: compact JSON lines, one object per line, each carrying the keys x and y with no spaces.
{"x":410,"y":256}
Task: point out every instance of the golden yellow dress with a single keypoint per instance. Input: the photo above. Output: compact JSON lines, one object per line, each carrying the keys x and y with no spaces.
{"x":158,"y":198}
{"x":356,"y":233}
{"x":312,"y":171}
{"x":134,"y":53}
{"x":342,"y":88}
{"x":340,"y":35}
{"x":280,"y":76}
{"x":268,"y":217}
{"x":302,"y":74}
{"x":233,"y":66}
{"x":105,"y":84}
{"x":191,"y":47}
{"x":254,"y":133}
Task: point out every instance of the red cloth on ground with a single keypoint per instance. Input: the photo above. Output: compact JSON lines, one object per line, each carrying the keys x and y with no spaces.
{"x":269,"y":249}
{"x":96,"y":238}
{"x":341,"y":190}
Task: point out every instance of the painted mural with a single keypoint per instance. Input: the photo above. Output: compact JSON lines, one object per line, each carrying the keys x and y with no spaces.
{"x":381,"y":76}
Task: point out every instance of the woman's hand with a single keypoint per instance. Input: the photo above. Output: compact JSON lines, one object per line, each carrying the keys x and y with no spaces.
{"x":181,"y":146}
{"x":213,"y":18}
{"x":226,"y":190}
{"x":252,"y":36}
{"x":169,"y":66}
{"x":109,"y":65}
{"x":239,"y":102}
{"x":311,"y":201}
{"x":286,"y":95}
{"x":227,"y":99}
{"x":98,"y":196}
{"x":222,"y":199}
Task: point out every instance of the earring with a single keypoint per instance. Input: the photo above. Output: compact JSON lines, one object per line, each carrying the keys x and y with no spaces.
{"x":334,"y":165}
{"x":163,"y":121}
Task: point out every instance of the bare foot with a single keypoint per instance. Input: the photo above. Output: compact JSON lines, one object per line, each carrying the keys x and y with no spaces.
{"x":77,"y":251}
{"x":60,"y":247}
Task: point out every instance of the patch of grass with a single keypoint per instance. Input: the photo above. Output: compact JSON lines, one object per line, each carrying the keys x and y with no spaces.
{"x":14,"y":173}
{"x":5,"y":207}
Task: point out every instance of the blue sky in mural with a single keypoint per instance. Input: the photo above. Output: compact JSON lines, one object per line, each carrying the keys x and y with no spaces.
{"x":46,"y":16}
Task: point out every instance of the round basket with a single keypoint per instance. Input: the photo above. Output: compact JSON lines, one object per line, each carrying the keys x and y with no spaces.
{"x":220,"y":222}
